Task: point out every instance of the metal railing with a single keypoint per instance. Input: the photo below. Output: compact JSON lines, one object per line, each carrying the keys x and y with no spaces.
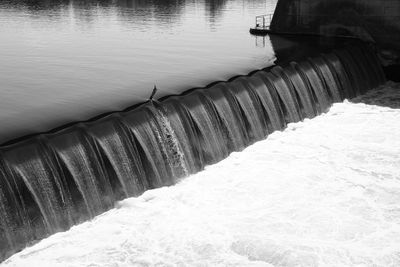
{"x":263,"y":21}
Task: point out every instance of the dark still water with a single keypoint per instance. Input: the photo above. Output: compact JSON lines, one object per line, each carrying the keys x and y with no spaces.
{"x":62,"y":61}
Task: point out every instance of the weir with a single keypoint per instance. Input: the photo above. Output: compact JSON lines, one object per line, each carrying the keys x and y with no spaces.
{"x":55,"y":180}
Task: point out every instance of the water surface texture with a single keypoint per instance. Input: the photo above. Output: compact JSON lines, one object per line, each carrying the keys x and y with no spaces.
{"x":64,"y":61}
{"x":324,"y":192}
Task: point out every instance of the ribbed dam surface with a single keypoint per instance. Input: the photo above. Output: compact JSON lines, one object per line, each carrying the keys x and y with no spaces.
{"x":322,"y":192}
{"x":55,"y":180}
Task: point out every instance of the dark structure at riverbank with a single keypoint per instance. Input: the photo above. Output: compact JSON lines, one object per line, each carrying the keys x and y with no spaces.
{"x":374,"y":21}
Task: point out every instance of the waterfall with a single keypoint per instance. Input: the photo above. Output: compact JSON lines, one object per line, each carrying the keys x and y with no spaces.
{"x":342,"y":79}
{"x":120,"y":156}
{"x":315,"y":78}
{"x":57,"y":179}
{"x":287,"y":97}
{"x":269,"y":99}
{"x":228,"y":110}
{"x":251,"y":109}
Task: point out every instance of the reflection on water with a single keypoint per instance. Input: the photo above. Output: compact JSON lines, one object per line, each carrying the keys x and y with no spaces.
{"x":63,"y":61}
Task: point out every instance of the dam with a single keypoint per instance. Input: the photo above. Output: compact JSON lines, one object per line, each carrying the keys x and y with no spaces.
{"x":54,"y":180}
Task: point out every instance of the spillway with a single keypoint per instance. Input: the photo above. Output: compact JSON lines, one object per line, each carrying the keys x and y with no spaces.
{"x":58,"y":179}
{"x":322,"y":192}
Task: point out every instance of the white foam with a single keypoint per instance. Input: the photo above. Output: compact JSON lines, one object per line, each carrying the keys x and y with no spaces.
{"x":324,"y":192}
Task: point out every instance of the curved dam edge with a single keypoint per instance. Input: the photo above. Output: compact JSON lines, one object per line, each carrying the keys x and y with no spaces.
{"x":26,"y":137}
{"x":287,"y":49}
{"x":55,"y":180}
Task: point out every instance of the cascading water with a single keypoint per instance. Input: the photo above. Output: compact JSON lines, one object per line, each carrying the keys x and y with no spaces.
{"x":229,"y":111}
{"x":212,"y":137}
{"x":302,"y":89}
{"x":185,"y":132}
{"x":269,"y":100}
{"x":55,"y":180}
{"x":251,"y":108}
{"x":119,"y":154}
{"x":323,"y":100}
{"x":342,"y":79}
{"x":287,"y":97}
{"x":327,"y":77}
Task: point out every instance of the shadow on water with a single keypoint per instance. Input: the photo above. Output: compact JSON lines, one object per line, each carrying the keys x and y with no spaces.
{"x":126,"y":7}
{"x":164,"y":11}
{"x":295,"y":48}
{"x":213,"y":10}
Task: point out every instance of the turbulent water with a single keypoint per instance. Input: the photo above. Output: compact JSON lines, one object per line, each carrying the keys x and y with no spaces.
{"x":324,"y":192}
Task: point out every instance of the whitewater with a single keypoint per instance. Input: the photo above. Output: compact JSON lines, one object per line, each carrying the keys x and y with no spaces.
{"x":323,"y":192}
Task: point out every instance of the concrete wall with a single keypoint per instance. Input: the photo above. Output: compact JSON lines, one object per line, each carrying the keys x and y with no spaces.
{"x":372,"y":20}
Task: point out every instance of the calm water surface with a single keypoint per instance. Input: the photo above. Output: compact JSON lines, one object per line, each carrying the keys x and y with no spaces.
{"x":62,"y":61}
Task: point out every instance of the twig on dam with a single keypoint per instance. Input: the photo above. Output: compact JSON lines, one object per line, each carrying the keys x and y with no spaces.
{"x":153,"y":93}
